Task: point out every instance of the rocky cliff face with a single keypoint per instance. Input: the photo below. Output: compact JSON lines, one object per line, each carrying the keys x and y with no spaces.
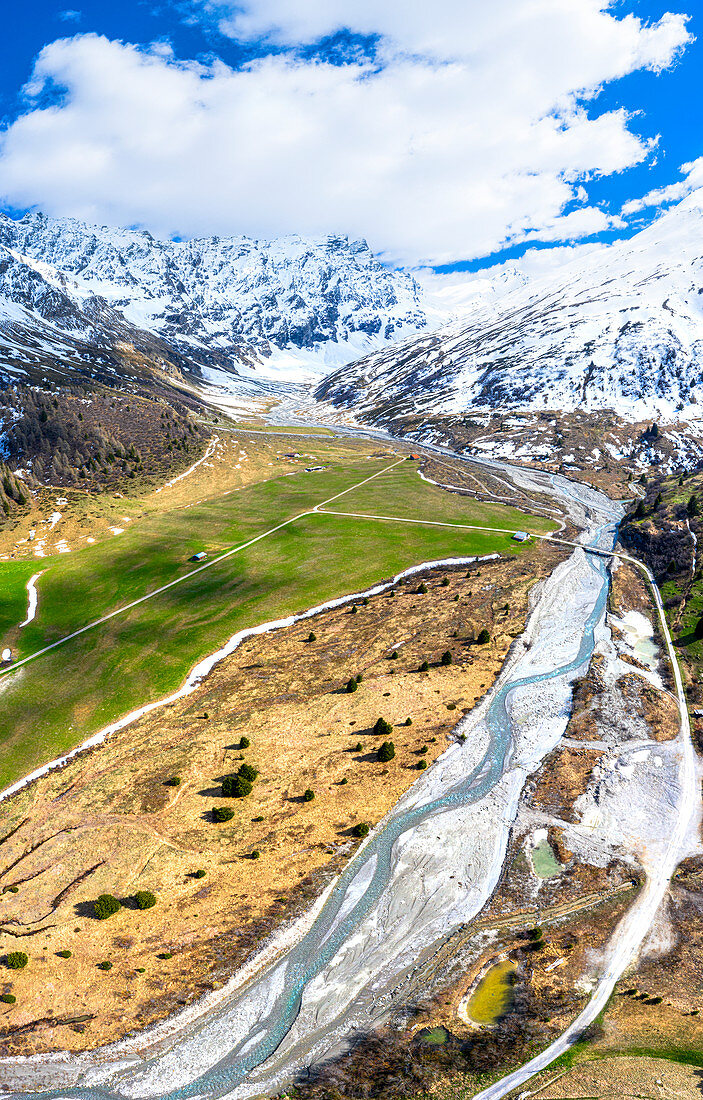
{"x":322,"y":302}
{"x":53,"y":329}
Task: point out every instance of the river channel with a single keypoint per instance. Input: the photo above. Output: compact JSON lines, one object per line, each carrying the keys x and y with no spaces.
{"x":429,"y":866}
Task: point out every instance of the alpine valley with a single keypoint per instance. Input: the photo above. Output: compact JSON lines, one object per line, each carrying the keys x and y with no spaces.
{"x":352,"y":669}
{"x":564,"y":367}
{"x":291,"y":307}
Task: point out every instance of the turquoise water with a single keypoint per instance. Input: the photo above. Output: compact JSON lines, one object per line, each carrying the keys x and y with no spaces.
{"x":312,"y":954}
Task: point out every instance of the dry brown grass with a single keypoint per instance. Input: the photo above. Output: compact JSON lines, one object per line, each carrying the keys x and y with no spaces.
{"x":108,"y":822}
{"x":237,"y":461}
{"x":616,"y":1077}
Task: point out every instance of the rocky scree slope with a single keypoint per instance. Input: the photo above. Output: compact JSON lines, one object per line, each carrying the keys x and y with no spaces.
{"x":621,"y":329}
{"x":53,"y":330}
{"x":231,"y":301}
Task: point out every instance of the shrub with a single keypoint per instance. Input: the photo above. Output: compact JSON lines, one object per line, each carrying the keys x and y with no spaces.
{"x":248,"y":772}
{"x":424,"y":750}
{"x":105,"y":906}
{"x":235,"y":786}
{"x":222,"y":813}
{"x":698,"y":629}
{"x":256,"y":854}
{"x":165,"y":955}
{"x":343,"y":781}
{"x":144,"y":899}
{"x":422,"y":589}
{"x":107,"y":965}
{"x":64,"y":954}
{"x":394,"y":655}
{"x":312,"y":637}
{"x":382,"y":727}
{"x":693,"y":507}
{"x":421,"y":764}
{"x":447,"y":658}
{"x":351,"y":686}
{"x":456,"y":599}
{"x":408,"y":721}
{"x":141,"y":970}
{"x":353,"y":609}
{"x":358,"y":747}
{"x":308,"y":795}
{"x":445,"y":582}
{"x":8,"y":998}
{"x":424,"y":667}
{"x":17,"y":960}
{"x":386,"y":752}
{"x":359,"y":678}
{"x":199,"y":873}
{"x":365,"y":601}
{"x":174,"y":781}
{"x":244,"y":742}
{"x":361,"y":830}
{"x":483,"y":637}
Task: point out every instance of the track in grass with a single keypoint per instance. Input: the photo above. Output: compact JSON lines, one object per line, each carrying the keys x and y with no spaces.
{"x":54,"y":703}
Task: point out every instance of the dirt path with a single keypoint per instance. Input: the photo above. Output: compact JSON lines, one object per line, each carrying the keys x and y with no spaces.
{"x":192,"y":573}
{"x":633,"y":928}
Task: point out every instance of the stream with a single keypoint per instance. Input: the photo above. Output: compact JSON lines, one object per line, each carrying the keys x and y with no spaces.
{"x":428,"y":867}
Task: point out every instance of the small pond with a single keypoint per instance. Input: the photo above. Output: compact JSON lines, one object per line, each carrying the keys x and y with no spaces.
{"x":493,"y":995}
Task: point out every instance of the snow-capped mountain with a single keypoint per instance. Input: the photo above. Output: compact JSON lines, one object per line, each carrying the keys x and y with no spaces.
{"x":291,"y":307}
{"x":619,"y":328}
{"x":52,"y":328}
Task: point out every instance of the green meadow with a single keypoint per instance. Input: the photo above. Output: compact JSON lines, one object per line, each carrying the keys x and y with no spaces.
{"x":54,"y":702}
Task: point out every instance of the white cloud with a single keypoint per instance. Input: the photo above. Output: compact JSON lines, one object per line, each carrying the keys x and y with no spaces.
{"x":478,"y":127}
{"x":457,"y":292}
{"x":674,"y":192}
{"x":454,"y":30}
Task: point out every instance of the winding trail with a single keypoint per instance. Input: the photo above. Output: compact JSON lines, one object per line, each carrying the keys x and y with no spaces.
{"x":210,"y":450}
{"x":425,"y":870}
{"x":630,"y":933}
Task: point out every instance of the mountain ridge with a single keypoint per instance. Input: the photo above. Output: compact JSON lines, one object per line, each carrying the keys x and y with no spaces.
{"x":621,"y":328}
{"x":323,"y":301}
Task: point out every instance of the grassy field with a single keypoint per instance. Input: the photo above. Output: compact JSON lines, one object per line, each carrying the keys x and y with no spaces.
{"x":400,"y":492}
{"x":55,"y":702}
{"x":13,"y":596}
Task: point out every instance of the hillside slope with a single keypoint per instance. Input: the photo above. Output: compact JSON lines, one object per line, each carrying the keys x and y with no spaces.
{"x":620,"y":329}
{"x":291,"y":308}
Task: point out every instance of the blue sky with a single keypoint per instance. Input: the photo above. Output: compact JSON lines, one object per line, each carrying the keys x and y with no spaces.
{"x":448,"y":138}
